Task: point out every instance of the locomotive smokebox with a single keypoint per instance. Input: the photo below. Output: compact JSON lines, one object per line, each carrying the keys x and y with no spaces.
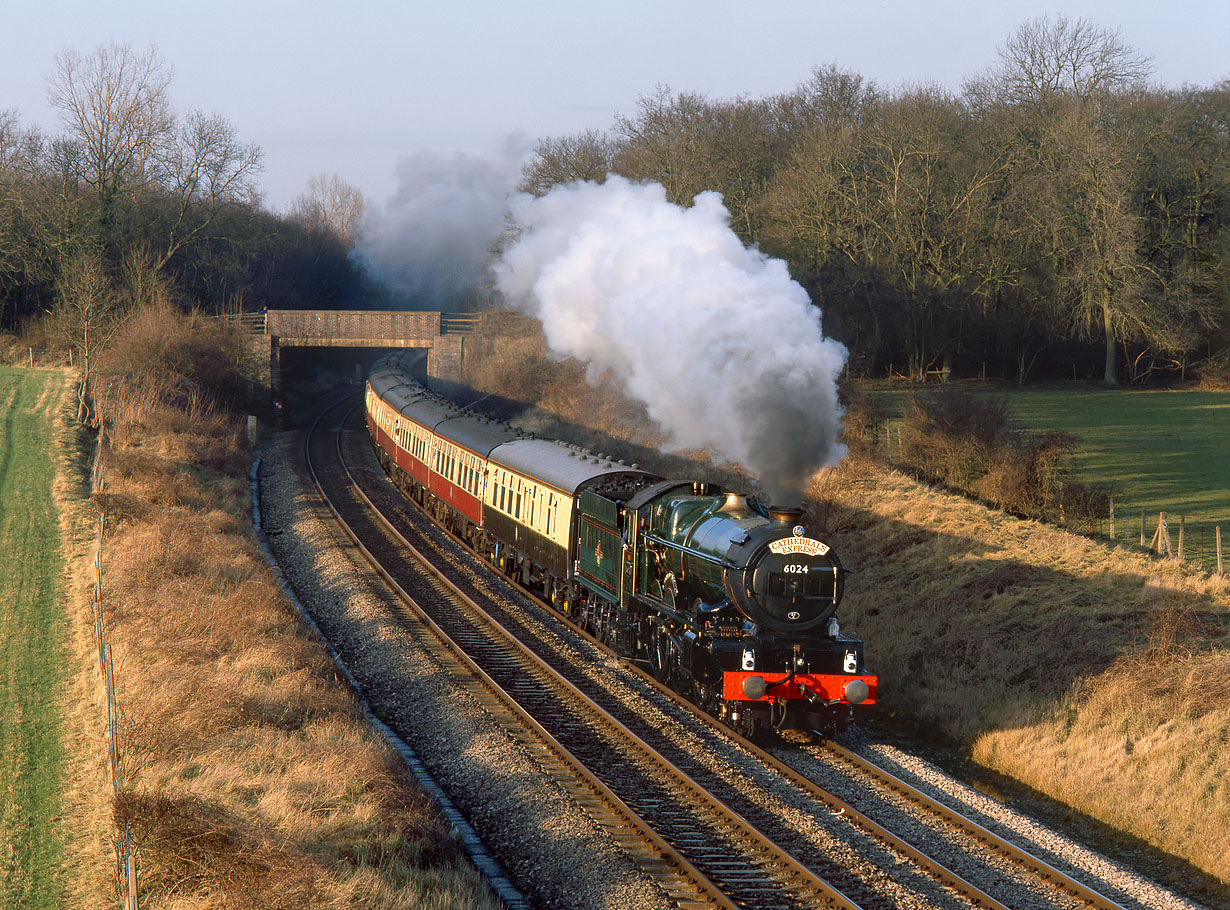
{"x":785,"y":516}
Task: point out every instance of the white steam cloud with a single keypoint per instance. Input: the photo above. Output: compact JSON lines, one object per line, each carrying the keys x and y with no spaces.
{"x":722,"y":346}
{"x":432,"y":240}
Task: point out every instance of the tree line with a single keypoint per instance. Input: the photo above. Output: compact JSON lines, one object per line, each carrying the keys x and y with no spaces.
{"x":1057,"y":217}
{"x":133,"y":201}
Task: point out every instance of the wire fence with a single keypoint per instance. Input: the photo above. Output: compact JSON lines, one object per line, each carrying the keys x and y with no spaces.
{"x":1167,"y":535}
{"x":126,"y":861}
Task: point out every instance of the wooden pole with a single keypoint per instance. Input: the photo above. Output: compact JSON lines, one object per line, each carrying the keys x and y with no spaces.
{"x":1219,"y":571}
{"x":1182,"y":527}
{"x":1112,"y":519}
{"x":1161,"y":538}
{"x":1142,"y":529}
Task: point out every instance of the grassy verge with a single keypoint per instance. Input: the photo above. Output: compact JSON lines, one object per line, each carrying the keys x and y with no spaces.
{"x":1092,"y":673}
{"x":249,"y":777}
{"x":32,"y":653}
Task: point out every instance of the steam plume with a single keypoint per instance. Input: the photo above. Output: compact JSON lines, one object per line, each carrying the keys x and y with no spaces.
{"x":433,"y":238}
{"x":717,"y":340}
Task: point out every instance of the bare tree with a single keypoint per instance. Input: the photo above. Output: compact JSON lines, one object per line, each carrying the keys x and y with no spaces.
{"x":663,"y":143}
{"x":332,"y":205}
{"x":87,"y":315}
{"x":1046,"y":60}
{"x":205,"y":169}
{"x":586,"y":156}
{"x":114,"y":102}
{"x":1064,"y":84}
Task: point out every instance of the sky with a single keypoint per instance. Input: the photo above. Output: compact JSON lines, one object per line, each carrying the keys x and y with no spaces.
{"x":353,"y":89}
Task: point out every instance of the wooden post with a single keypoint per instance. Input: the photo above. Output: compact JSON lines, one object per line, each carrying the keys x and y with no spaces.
{"x":1219,"y":571}
{"x":1142,"y":529}
{"x":1161,"y":537}
{"x":1112,"y":519}
{"x":1182,"y":528}
{"x":130,"y":871}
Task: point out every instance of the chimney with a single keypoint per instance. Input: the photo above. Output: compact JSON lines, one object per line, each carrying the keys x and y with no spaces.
{"x":784,"y":516}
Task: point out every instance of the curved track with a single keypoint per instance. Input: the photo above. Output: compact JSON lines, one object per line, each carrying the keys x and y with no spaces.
{"x":713,"y":858}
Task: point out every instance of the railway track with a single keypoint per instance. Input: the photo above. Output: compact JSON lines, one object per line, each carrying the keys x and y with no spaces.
{"x":698,"y":852}
{"x":713,"y":819}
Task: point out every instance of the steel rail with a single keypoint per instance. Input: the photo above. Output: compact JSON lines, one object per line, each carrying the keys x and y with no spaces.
{"x":823,"y":889}
{"x":1038,"y":866}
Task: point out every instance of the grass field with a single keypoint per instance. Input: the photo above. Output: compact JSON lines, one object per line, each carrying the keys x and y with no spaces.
{"x":1161,"y":451}
{"x":31,"y":644}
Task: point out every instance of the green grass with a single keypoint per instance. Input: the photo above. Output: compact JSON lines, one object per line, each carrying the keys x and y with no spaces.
{"x":32,"y":651}
{"x":1161,"y":450}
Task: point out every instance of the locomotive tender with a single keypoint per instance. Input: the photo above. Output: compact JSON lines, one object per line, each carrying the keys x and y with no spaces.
{"x":727,"y":601}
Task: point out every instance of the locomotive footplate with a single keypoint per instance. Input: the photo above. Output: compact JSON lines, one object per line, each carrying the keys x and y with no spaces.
{"x":814,"y":687}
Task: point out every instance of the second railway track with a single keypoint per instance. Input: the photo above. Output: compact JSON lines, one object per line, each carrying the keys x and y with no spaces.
{"x":763,"y":834}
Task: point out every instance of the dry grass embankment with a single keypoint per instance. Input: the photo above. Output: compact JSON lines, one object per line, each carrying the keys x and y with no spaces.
{"x":1090,"y":672}
{"x":249,"y":776}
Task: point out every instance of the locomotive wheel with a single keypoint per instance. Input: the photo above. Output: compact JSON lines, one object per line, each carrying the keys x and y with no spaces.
{"x":661,"y":655}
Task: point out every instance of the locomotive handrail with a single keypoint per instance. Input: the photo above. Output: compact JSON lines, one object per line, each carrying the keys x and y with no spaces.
{"x":725,"y":564}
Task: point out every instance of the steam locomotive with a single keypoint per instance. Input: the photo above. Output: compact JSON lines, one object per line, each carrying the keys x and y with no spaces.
{"x":727,"y":601}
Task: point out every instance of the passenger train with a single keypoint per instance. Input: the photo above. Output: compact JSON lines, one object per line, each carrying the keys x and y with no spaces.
{"x":729,"y":602}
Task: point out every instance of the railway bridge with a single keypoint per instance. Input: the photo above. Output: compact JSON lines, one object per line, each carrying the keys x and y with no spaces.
{"x":442,"y":335}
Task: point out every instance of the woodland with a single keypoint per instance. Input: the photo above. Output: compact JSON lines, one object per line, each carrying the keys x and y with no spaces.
{"x":1060,"y":217}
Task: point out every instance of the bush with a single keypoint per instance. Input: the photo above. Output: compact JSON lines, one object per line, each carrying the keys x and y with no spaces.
{"x":1215,"y":372}
{"x":966,"y":443}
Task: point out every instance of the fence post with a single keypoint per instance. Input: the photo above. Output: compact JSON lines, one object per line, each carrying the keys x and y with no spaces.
{"x":1142,"y":529}
{"x":1182,"y":528}
{"x":130,"y":871}
{"x":1161,"y":537}
{"x":1219,"y":571}
{"x":1112,"y":519}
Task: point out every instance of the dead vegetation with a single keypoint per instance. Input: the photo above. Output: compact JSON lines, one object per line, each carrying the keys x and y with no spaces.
{"x":1091,"y":672}
{"x":249,"y":777}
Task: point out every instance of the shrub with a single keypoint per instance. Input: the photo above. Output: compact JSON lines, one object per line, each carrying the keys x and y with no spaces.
{"x":966,"y":443}
{"x":1215,"y":372}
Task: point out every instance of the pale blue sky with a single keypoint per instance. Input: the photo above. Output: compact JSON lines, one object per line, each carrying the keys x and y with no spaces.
{"x":351,"y":88}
